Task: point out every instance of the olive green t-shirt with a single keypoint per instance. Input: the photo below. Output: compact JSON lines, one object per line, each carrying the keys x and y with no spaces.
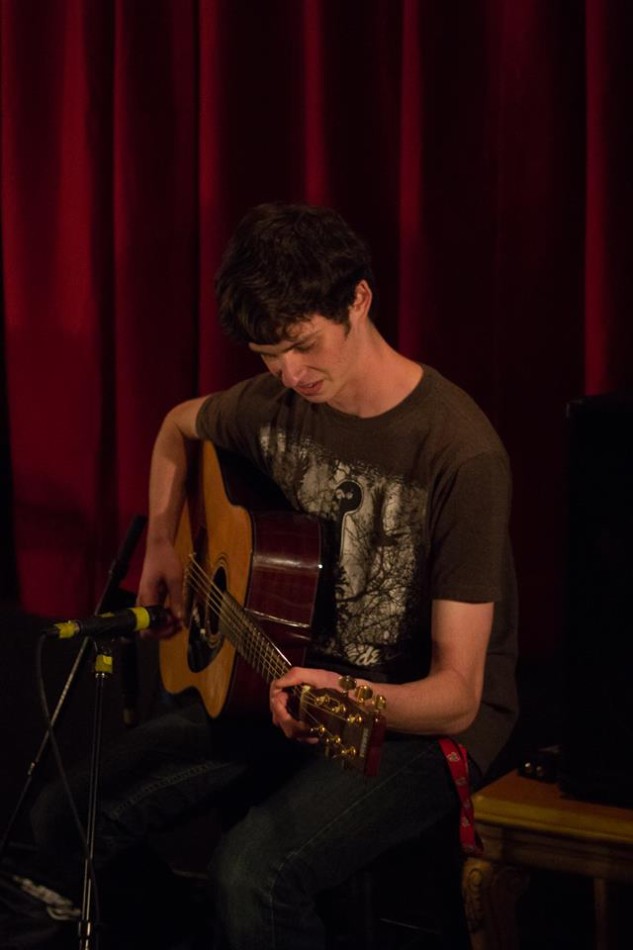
{"x":414,"y":507}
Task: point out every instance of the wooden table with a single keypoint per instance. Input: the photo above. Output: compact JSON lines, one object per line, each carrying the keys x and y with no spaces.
{"x":528,"y":824}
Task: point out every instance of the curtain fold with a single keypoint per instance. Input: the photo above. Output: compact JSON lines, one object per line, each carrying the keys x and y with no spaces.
{"x":483,"y":149}
{"x":608,"y":339}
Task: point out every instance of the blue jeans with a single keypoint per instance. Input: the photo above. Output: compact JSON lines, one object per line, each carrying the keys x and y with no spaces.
{"x":301,"y":823}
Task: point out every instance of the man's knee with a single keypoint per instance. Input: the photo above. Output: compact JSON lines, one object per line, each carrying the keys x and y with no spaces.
{"x":255,"y":891}
{"x":235,"y":875}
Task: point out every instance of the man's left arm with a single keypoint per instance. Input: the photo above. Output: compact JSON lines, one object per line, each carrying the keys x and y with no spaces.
{"x":443,"y":703}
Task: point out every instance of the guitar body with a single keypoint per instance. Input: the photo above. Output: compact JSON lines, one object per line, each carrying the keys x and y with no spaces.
{"x":266,"y":558}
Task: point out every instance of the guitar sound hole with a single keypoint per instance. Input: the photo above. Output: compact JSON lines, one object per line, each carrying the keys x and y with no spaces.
{"x":205,"y":638}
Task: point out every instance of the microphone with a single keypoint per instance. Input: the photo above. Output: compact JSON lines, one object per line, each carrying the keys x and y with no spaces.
{"x":112,"y":624}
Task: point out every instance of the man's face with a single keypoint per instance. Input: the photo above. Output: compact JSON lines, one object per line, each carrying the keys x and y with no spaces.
{"x":316,"y":359}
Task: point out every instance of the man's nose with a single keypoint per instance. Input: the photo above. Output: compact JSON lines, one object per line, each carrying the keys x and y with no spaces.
{"x":290,"y":368}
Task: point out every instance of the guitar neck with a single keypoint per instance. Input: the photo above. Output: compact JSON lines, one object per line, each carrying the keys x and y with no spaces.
{"x":250,"y":641}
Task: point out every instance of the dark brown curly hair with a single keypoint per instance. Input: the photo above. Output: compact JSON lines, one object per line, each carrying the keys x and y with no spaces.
{"x":284,"y":263}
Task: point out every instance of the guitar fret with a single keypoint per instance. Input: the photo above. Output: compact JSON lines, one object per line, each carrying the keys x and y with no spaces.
{"x":251,"y":642}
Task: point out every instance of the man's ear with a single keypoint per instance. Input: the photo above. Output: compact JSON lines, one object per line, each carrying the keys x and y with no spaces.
{"x":362,"y":300}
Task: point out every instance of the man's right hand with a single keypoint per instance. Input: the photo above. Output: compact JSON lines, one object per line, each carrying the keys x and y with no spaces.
{"x":162,"y":578}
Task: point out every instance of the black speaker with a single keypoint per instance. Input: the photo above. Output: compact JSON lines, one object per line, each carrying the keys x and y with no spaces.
{"x":597,"y":733}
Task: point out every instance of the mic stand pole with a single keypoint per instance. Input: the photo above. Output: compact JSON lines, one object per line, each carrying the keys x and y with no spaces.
{"x":102,"y":670}
{"x":118,"y":570}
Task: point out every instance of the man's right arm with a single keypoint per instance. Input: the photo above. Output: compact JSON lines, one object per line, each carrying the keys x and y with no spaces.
{"x":162,"y":571}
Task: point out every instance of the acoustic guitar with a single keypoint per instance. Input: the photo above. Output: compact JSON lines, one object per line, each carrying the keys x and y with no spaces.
{"x":251,"y":576}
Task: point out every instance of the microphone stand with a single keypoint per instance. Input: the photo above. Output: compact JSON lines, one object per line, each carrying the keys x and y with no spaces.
{"x":103,"y":667}
{"x":102,"y":671}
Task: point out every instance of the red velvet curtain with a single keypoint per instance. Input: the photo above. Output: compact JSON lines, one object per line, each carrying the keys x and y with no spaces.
{"x":484,"y":149}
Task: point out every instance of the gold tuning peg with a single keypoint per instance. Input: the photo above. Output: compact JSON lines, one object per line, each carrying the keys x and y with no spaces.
{"x":363,"y":693}
{"x":347,"y":683}
{"x":380,"y":703}
{"x":348,"y":752}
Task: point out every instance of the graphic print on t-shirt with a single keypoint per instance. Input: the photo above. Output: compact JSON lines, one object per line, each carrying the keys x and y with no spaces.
{"x":376,"y":524}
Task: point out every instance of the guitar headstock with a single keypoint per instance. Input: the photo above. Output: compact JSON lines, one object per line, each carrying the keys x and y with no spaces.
{"x":349,"y":729}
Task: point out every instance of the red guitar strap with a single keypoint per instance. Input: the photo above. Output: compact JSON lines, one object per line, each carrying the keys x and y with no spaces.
{"x":457,"y":760}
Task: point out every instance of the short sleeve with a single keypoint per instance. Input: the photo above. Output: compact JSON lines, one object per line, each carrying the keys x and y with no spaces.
{"x":469,"y":530}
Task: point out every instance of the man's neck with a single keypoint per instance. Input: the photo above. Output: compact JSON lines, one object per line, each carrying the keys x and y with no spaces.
{"x":385,"y":380}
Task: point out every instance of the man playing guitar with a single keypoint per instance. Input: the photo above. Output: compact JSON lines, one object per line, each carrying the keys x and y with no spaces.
{"x":410,"y":486}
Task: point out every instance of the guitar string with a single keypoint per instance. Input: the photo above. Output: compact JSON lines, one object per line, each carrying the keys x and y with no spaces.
{"x":274,"y":662}
{"x":269,"y":661}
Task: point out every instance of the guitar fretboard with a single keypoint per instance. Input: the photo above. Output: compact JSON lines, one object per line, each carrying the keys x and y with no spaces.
{"x":235,"y":624}
{"x":250,"y":641}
